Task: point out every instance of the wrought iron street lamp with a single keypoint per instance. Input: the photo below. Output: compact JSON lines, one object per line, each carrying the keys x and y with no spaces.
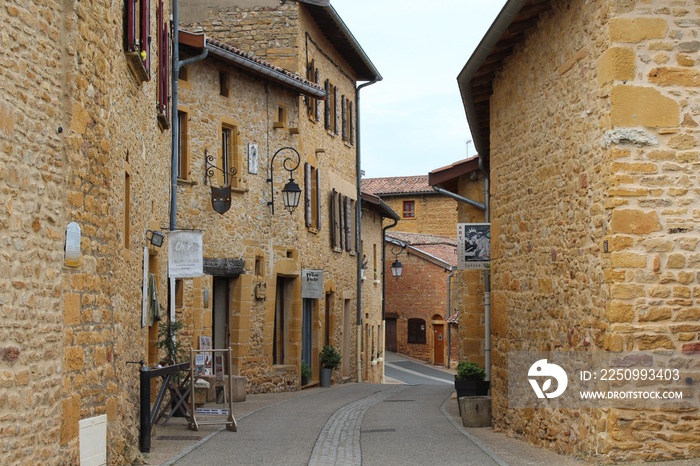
{"x":291,"y":192}
{"x":396,"y":266}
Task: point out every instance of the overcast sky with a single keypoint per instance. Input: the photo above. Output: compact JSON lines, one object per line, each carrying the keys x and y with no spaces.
{"x":413,"y":121}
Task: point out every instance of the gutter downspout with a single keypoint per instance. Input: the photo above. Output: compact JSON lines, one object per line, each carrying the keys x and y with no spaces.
{"x":487,"y":279}
{"x":358,"y":226}
{"x":487,"y":274}
{"x":384,"y":229}
{"x":175,"y":125}
{"x":449,"y":310}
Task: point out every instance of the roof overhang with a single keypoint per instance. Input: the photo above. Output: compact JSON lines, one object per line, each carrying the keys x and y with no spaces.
{"x":236,"y":57}
{"x":516,"y":19}
{"x":448,"y":177}
{"x":340,"y":37}
{"x":414,"y":251}
{"x":381,"y":207}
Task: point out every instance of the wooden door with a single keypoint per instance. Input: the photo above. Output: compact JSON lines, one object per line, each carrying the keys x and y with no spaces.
{"x":439,"y":344}
{"x":390,"y":335}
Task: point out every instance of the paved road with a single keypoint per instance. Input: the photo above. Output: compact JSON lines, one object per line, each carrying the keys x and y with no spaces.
{"x":355,"y":424}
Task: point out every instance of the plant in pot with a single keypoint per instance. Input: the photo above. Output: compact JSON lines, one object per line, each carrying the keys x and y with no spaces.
{"x":469,"y":380}
{"x":305,"y":373}
{"x":329,"y":359}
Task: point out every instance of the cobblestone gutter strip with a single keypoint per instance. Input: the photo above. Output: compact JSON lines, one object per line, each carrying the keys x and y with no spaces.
{"x":339,"y":440}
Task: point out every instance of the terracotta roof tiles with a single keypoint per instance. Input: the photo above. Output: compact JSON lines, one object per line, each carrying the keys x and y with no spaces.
{"x":397,"y":185}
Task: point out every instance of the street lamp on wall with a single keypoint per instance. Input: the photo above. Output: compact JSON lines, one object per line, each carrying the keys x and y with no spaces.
{"x":155,"y":238}
{"x":291,"y":192}
{"x":396,"y":266}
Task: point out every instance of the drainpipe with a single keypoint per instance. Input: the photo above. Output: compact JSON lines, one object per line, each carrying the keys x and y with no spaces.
{"x":358,"y":226}
{"x":396,"y":222}
{"x":177,"y":64}
{"x":449,"y":310}
{"x":487,"y":279}
{"x":487,"y":275}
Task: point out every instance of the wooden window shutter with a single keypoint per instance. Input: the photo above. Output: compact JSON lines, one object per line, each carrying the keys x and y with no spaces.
{"x":341,"y":221}
{"x":130,"y":25}
{"x":344,"y":126}
{"x":146,"y":33}
{"x":335,"y":110}
{"x":348,"y":223}
{"x":307,"y":193}
{"x":334,"y":219}
{"x":317,"y":101}
{"x":318,"y":199}
{"x":327,"y":105}
{"x":163,"y":37}
{"x":352,"y":123}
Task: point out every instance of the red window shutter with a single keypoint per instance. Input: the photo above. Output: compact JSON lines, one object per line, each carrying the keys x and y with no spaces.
{"x":130,"y":25}
{"x":146,"y":33}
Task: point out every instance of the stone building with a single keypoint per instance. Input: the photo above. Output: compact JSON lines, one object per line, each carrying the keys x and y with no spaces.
{"x":417,"y":302}
{"x":422,"y":210}
{"x":465,"y":179}
{"x":590,"y":138}
{"x":85,"y":169}
{"x":374,"y":211}
{"x":246,"y":102}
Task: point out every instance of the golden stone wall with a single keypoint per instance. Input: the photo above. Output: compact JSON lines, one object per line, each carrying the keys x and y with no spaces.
{"x":249,"y":231}
{"x":372,"y":322}
{"x":593,"y":168}
{"x":435,"y":214}
{"x":69,"y":332}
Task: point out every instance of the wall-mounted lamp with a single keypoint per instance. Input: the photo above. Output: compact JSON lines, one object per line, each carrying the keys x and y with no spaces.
{"x":156,"y":237}
{"x":291,"y":191}
{"x":220,"y":196}
{"x":396,"y":266}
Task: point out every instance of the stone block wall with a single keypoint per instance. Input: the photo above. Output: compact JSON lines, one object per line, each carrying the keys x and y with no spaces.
{"x":373,"y":329}
{"x":75,"y":125}
{"x":435,"y":214}
{"x":594,"y":210}
{"x":248,"y":230}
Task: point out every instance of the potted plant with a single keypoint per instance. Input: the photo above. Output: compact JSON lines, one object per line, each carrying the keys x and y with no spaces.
{"x":329,"y":359}
{"x":305,"y":373}
{"x":472,"y":391}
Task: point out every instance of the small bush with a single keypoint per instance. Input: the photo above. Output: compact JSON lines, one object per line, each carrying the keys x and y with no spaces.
{"x":467,"y":370}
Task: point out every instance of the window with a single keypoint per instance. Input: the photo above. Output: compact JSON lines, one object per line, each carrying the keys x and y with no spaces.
{"x":416,"y":331}
{"x":343,"y":222}
{"x":312,"y":196}
{"x":351,"y":136}
{"x":281,"y":121}
{"x":312,"y":104}
{"x":182,"y":147}
{"x":163,"y":68}
{"x":223,"y":84}
{"x":409,"y":209}
{"x":229,"y":160}
{"x":137,"y":35}
{"x":334,"y":111}
{"x":179,"y":292}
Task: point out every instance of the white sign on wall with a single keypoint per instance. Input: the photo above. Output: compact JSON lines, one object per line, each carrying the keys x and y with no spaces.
{"x":473,"y":246}
{"x":185,"y":254}
{"x":312,"y":284}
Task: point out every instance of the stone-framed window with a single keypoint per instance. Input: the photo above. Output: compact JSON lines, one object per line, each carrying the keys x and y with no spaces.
{"x":183,"y":145}
{"x":229,"y":155}
{"x":416,"y":331}
{"x":163,"y":68}
{"x":409,"y":209}
{"x":312,"y":197}
{"x":137,"y":38}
